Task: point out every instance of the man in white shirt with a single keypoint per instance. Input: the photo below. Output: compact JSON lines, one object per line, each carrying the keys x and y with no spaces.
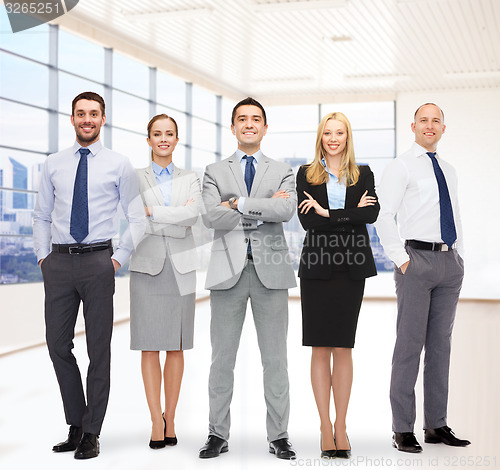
{"x":421,"y":190}
{"x":80,"y":189}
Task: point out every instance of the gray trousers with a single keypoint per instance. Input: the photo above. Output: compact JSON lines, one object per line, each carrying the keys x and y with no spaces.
{"x":69,"y":280}
{"x":427,"y":297}
{"x":270,"y":313}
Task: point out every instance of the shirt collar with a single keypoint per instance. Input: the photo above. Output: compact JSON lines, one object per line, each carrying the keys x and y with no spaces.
{"x":328,"y":169}
{"x":94,"y":148}
{"x":240,"y":154}
{"x":158,"y":170}
{"x":419,"y":151}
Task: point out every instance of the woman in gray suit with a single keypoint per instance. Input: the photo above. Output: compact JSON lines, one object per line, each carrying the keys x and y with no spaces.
{"x":163,"y":276}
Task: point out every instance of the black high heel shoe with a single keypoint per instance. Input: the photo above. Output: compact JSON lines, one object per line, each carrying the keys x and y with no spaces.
{"x":159,"y":444}
{"x":169,"y":441}
{"x":326,"y":454}
{"x":343,"y":453}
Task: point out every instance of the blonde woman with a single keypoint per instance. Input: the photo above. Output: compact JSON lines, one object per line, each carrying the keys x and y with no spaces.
{"x":336,"y":199}
{"x":162,"y":278}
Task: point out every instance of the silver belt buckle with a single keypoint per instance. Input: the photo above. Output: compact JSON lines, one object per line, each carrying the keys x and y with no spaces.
{"x":71,"y":248}
{"x":444,"y":247}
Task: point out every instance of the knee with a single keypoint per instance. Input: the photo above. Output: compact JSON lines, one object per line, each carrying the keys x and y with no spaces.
{"x":321,"y":353}
{"x":342,"y":353}
{"x":150,"y":356}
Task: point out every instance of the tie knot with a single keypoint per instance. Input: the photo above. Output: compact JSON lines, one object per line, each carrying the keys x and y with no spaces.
{"x":84,"y":152}
{"x":432,"y":154}
{"x":249,"y":158}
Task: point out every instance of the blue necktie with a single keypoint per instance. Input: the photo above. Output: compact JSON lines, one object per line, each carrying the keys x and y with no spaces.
{"x":249,"y":172}
{"x":79,"y":226}
{"x":448,"y":230}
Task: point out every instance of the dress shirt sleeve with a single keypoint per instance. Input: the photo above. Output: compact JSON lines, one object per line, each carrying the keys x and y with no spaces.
{"x":391,"y":193}
{"x":338,"y":217}
{"x":133,"y":209}
{"x":185,"y":216}
{"x":273,"y":209}
{"x":42,"y":215}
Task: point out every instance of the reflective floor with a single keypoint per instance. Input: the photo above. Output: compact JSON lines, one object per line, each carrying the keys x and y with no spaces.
{"x":31,"y":418}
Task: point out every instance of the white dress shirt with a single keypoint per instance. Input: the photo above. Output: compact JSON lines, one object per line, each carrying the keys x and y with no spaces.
{"x":409,"y":190}
{"x":111,"y":180}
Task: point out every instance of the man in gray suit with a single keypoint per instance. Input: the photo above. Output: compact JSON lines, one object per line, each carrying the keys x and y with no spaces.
{"x":247,"y":198}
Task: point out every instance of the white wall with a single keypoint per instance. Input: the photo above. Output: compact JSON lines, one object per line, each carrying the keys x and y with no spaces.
{"x":472,"y":144}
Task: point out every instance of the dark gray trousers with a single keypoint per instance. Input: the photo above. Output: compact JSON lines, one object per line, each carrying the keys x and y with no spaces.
{"x":427,"y":297}
{"x":69,"y":279}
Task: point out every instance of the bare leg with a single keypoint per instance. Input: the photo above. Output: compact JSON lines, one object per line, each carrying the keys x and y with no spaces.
{"x":321,"y":380}
{"x":172,"y":374}
{"x":341,"y":385}
{"x":151,"y":375}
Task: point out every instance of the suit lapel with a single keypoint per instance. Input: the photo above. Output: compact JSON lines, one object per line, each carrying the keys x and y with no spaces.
{"x":153,"y":185}
{"x":262,"y":168}
{"x":174,"y":198}
{"x":234,"y":164}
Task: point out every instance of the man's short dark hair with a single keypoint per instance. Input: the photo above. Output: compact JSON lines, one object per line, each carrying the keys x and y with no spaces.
{"x":252,"y":102}
{"x":91,"y":96}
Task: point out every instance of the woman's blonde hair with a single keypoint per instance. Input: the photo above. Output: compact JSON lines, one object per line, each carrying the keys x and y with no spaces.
{"x":316,"y":173}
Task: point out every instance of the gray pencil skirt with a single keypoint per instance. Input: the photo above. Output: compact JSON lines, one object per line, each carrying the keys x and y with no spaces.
{"x":161,"y":319}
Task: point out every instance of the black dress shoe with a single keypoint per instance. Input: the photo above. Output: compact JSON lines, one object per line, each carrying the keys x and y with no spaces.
{"x":406,"y":442}
{"x":71,"y":443}
{"x":342,"y":453}
{"x":159,"y":444}
{"x":88,"y":447}
{"x":213,"y":447}
{"x":444,"y":435}
{"x":282,"y":448}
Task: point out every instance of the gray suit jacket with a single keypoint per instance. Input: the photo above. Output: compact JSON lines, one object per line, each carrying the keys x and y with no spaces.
{"x":171,"y":226}
{"x":233,"y":229}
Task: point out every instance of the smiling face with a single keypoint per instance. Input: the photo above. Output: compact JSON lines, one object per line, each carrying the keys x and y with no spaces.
{"x":428,"y":127}
{"x":162,"y":140}
{"x":249,"y":128}
{"x":87,"y":120}
{"x":334,"y":139}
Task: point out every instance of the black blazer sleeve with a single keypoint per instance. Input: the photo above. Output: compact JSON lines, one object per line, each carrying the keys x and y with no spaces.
{"x":350,"y":215}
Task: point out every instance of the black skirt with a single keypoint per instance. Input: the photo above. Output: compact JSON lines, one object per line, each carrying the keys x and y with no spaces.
{"x":330,"y":310}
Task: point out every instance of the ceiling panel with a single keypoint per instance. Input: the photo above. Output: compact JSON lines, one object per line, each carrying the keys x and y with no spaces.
{"x":305,"y":50}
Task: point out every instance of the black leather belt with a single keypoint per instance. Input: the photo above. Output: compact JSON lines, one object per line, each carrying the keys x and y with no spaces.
{"x":79,"y":249}
{"x":430,"y":246}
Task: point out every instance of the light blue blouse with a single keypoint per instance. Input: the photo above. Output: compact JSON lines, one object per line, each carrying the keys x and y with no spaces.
{"x":164,"y":178}
{"x":335,"y":189}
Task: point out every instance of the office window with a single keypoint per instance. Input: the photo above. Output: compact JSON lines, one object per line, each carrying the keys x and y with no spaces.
{"x":204,"y":135}
{"x":33,"y":43}
{"x":12,"y":68}
{"x":71,"y":50}
{"x":130,"y":112}
{"x":23,"y":126}
{"x":130,"y":75}
{"x":171,"y":92}
{"x":133,"y":145}
{"x":204,"y":103}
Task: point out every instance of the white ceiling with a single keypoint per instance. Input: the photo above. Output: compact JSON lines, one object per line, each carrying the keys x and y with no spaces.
{"x":305,"y":50}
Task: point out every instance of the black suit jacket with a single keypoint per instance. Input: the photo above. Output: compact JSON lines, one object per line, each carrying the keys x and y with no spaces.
{"x":343,"y":232}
